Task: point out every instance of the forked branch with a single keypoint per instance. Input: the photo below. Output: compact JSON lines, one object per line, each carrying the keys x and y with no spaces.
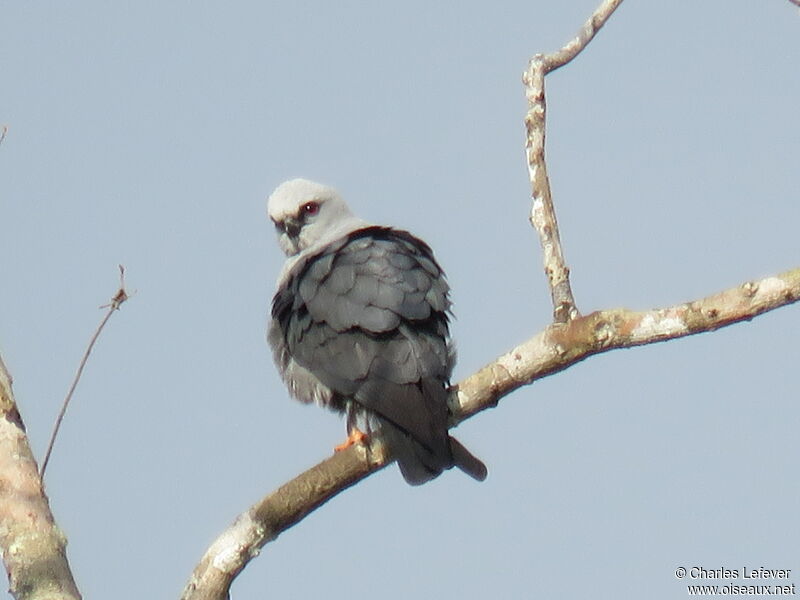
{"x":543,"y":214}
{"x":556,"y":348}
{"x":33,"y":548}
{"x":570,"y":339}
{"x":118,"y":298}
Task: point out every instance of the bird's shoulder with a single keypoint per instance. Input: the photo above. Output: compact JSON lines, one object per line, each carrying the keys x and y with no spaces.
{"x":372,"y":278}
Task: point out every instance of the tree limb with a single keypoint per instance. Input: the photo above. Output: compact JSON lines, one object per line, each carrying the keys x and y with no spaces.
{"x":570,"y":339}
{"x":560,"y":346}
{"x":32,"y":546}
{"x":543,"y":214}
{"x":557,"y":347}
{"x":275,"y":513}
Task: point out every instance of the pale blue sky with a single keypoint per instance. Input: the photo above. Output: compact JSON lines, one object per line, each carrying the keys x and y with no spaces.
{"x":150,"y":134}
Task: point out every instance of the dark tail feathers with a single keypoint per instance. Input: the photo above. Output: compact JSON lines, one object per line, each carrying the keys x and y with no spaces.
{"x":466,"y":461}
{"x":419,"y":464}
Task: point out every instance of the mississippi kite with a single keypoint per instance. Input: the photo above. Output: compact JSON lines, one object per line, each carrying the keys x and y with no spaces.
{"x":360,"y":325}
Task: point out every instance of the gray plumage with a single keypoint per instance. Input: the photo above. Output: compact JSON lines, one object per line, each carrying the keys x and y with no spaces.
{"x":360,"y":325}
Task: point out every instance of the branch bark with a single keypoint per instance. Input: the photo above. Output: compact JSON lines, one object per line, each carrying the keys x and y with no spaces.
{"x":543,"y":214}
{"x":569,"y":340}
{"x":558,"y":347}
{"x":33,"y":548}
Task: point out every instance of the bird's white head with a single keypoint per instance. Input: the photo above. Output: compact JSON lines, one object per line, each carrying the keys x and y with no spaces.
{"x":308,"y":214}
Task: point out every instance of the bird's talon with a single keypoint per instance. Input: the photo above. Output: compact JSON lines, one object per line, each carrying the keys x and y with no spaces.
{"x":356,"y":437}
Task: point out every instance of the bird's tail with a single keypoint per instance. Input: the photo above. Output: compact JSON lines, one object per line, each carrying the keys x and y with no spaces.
{"x":413,"y":422}
{"x":466,"y":461}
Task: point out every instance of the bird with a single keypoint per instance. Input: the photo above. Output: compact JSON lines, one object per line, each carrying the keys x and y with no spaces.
{"x":360,"y":325}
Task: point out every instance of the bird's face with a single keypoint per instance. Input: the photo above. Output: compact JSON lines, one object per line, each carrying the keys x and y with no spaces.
{"x":307,"y":213}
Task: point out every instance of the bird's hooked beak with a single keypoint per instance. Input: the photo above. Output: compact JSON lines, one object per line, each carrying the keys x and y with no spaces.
{"x":288,"y":230}
{"x":292,"y":226}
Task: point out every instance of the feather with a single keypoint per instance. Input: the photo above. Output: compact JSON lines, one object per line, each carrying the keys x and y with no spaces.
{"x":360,"y":324}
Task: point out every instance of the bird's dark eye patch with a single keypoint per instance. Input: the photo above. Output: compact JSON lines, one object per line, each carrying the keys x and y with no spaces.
{"x":309,"y":209}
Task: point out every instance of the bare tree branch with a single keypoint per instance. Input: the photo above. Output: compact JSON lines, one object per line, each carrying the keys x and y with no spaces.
{"x":569,"y":340}
{"x":120,"y":297}
{"x":557,"y":347}
{"x":560,"y":346}
{"x":574,"y":47}
{"x":33,"y":548}
{"x":543,"y":214}
{"x":275,"y":513}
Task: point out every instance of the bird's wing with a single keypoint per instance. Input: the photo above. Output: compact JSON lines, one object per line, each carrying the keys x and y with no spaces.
{"x":368,"y":316}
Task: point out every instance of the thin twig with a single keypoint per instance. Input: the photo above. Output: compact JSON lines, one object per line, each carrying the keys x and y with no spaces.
{"x":543,"y":214}
{"x":571,"y":49}
{"x":3,"y":134}
{"x":120,"y":297}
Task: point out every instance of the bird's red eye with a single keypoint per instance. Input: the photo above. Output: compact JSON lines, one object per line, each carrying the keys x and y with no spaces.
{"x":310,"y":209}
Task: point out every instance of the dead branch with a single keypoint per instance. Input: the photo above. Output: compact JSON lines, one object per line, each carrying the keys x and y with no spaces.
{"x":33,"y":548}
{"x":569,"y":340}
{"x":543,"y":214}
{"x":556,"y":348}
{"x":118,"y":298}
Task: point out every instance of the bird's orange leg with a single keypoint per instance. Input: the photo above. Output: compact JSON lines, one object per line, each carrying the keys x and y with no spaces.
{"x":356,"y":437}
